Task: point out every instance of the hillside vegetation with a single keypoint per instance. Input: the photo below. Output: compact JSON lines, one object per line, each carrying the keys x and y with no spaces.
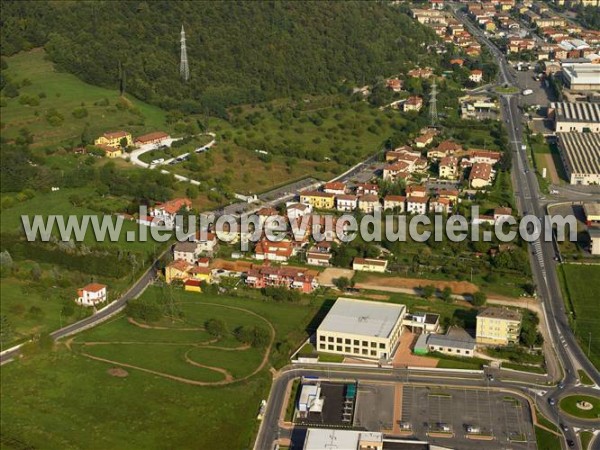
{"x":239,"y":52}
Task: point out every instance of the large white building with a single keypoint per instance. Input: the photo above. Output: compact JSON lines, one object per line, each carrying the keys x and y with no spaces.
{"x":580,"y":154}
{"x":582,"y":77}
{"x":322,"y":438}
{"x":361,"y":328}
{"x":575,"y":116}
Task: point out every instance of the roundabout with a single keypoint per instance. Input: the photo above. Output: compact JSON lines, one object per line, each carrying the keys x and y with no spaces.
{"x":581,"y":406}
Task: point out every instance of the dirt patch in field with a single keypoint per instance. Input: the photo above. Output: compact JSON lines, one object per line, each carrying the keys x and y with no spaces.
{"x":552,"y":173}
{"x":458,"y":287}
{"x":328,"y":275}
{"x":118,"y":372}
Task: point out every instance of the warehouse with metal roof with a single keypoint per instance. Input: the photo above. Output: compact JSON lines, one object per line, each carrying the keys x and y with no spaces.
{"x":575,"y":116}
{"x":582,"y":77}
{"x":361,"y":328}
{"x":580,"y":154}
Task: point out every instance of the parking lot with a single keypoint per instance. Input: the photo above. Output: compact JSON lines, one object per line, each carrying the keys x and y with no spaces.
{"x":445,"y":416}
{"x":374,"y":407}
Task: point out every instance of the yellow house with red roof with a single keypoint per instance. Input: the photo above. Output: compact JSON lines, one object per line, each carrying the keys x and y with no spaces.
{"x":113,"y":139}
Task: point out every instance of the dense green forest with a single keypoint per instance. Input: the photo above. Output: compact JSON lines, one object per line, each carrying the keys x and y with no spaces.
{"x":239,"y":52}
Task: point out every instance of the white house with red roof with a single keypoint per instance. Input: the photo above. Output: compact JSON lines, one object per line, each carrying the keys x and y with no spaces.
{"x":335,"y":187}
{"x":167,"y":211}
{"x":416,"y":205}
{"x":91,"y":295}
{"x":266,"y":250}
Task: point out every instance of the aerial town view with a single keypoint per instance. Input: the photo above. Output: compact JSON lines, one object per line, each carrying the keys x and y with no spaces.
{"x":300,"y":225}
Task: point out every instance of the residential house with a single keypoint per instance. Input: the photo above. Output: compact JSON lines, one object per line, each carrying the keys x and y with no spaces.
{"x":369,"y":203}
{"x":394,"y":202}
{"x":498,"y":326}
{"x":424,"y":140}
{"x":318,"y":258}
{"x":445,"y":148}
{"x":289,"y":277}
{"x":367,"y":189}
{"x":412,"y":103}
{"x":449,"y":167}
{"x":191,"y":285}
{"x":484,"y":156}
{"x":420,"y":73}
{"x":186,"y":251}
{"x":369,"y":265}
{"x":114,"y":138}
{"x":346,"y":202}
{"x":391,"y":171}
{"x":440,"y":205}
{"x":502,"y":214}
{"x":335,"y":187}
{"x":156,"y":137}
{"x":457,"y":62}
{"x":207,"y":243}
{"x":91,"y":294}
{"x":481,"y":175}
{"x":177,"y":270}
{"x":416,"y":205}
{"x":200,"y":274}
{"x":110,"y":152}
{"x":297,"y":210}
{"x":273,"y":251}
{"x":416,"y":190}
{"x":394,"y":84}
{"x":166,"y":212}
{"x":318,"y":200}
{"x":476,"y":76}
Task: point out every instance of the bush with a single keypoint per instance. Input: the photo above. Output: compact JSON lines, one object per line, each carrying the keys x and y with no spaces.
{"x":215,"y":327}
{"x":479,"y":298}
{"x":79,"y":113}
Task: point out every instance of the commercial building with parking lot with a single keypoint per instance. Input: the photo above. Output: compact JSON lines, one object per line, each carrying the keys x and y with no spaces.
{"x":361,"y":328}
{"x":575,"y":116}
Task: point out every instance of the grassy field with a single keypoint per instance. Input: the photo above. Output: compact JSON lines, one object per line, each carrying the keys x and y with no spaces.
{"x":65,"y":93}
{"x":586,"y":438}
{"x":172,"y":412}
{"x":57,"y":285}
{"x":583,"y":296}
{"x":584,"y":378}
{"x":546,"y":440}
{"x":569,"y":405}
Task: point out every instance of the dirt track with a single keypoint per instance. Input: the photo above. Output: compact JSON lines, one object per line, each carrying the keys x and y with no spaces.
{"x":458,"y":287}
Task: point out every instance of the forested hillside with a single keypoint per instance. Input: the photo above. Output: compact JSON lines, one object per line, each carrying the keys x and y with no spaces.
{"x":239,"y":52}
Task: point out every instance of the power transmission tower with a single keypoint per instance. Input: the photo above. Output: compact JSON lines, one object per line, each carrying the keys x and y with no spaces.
{"x":184,"y":68}
{"x":433,"y":115}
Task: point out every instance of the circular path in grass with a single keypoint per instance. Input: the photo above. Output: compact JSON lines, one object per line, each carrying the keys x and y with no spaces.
{"x":569,"y":405}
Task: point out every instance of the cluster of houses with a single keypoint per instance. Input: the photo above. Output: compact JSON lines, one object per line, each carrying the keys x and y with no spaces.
{"x":113,"y":142}
{"x":448,"y":28}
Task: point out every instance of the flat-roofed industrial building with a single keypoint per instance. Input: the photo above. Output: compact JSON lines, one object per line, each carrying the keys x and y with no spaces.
{"x":582,"y":77}
{"x":361,"y":328}
{"x":580,"y":154}
{"x":575,"y":116}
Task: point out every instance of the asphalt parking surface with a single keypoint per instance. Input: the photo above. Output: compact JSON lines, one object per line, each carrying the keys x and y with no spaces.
{"x":502,"y":415}
{"x":374,"y":407}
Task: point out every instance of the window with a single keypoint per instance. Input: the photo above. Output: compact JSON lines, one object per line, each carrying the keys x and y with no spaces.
{"x":381,"y":345}
{"x":330,"y":338}
{"x":355,"y":350}
{"x":458,"y":350}
{"x":374,"y":344}
{"x":338,"y":348}
{"x":322,"y":346}
{"x":347,"y":349}
{"x":365,"y":343}
{"x":365,"y":351}
{"x":373,"y":353}
{"x":347,"y":341}
{"x":356,"y":342}
{"x":339,"y":340}
{"x":321,"y":338}
{"x":330,"y":347}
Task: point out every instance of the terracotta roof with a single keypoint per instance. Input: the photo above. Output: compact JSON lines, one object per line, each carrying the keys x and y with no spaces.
{"x":151,"y":136}
{"x":480,"y":170}
{"x":173,"y":206}
{"x":368,"y":198}
{"x":374,"y":262}
{"x":94,"y":287}
{"x":316,"y":194}
{"x":180,"y":265}
{"x":417,"y":199}
{"x":115,"y":134}
{"x":394,"y":198}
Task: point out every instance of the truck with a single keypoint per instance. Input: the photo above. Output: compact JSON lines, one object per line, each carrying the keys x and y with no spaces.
{"x":527,"y":92}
